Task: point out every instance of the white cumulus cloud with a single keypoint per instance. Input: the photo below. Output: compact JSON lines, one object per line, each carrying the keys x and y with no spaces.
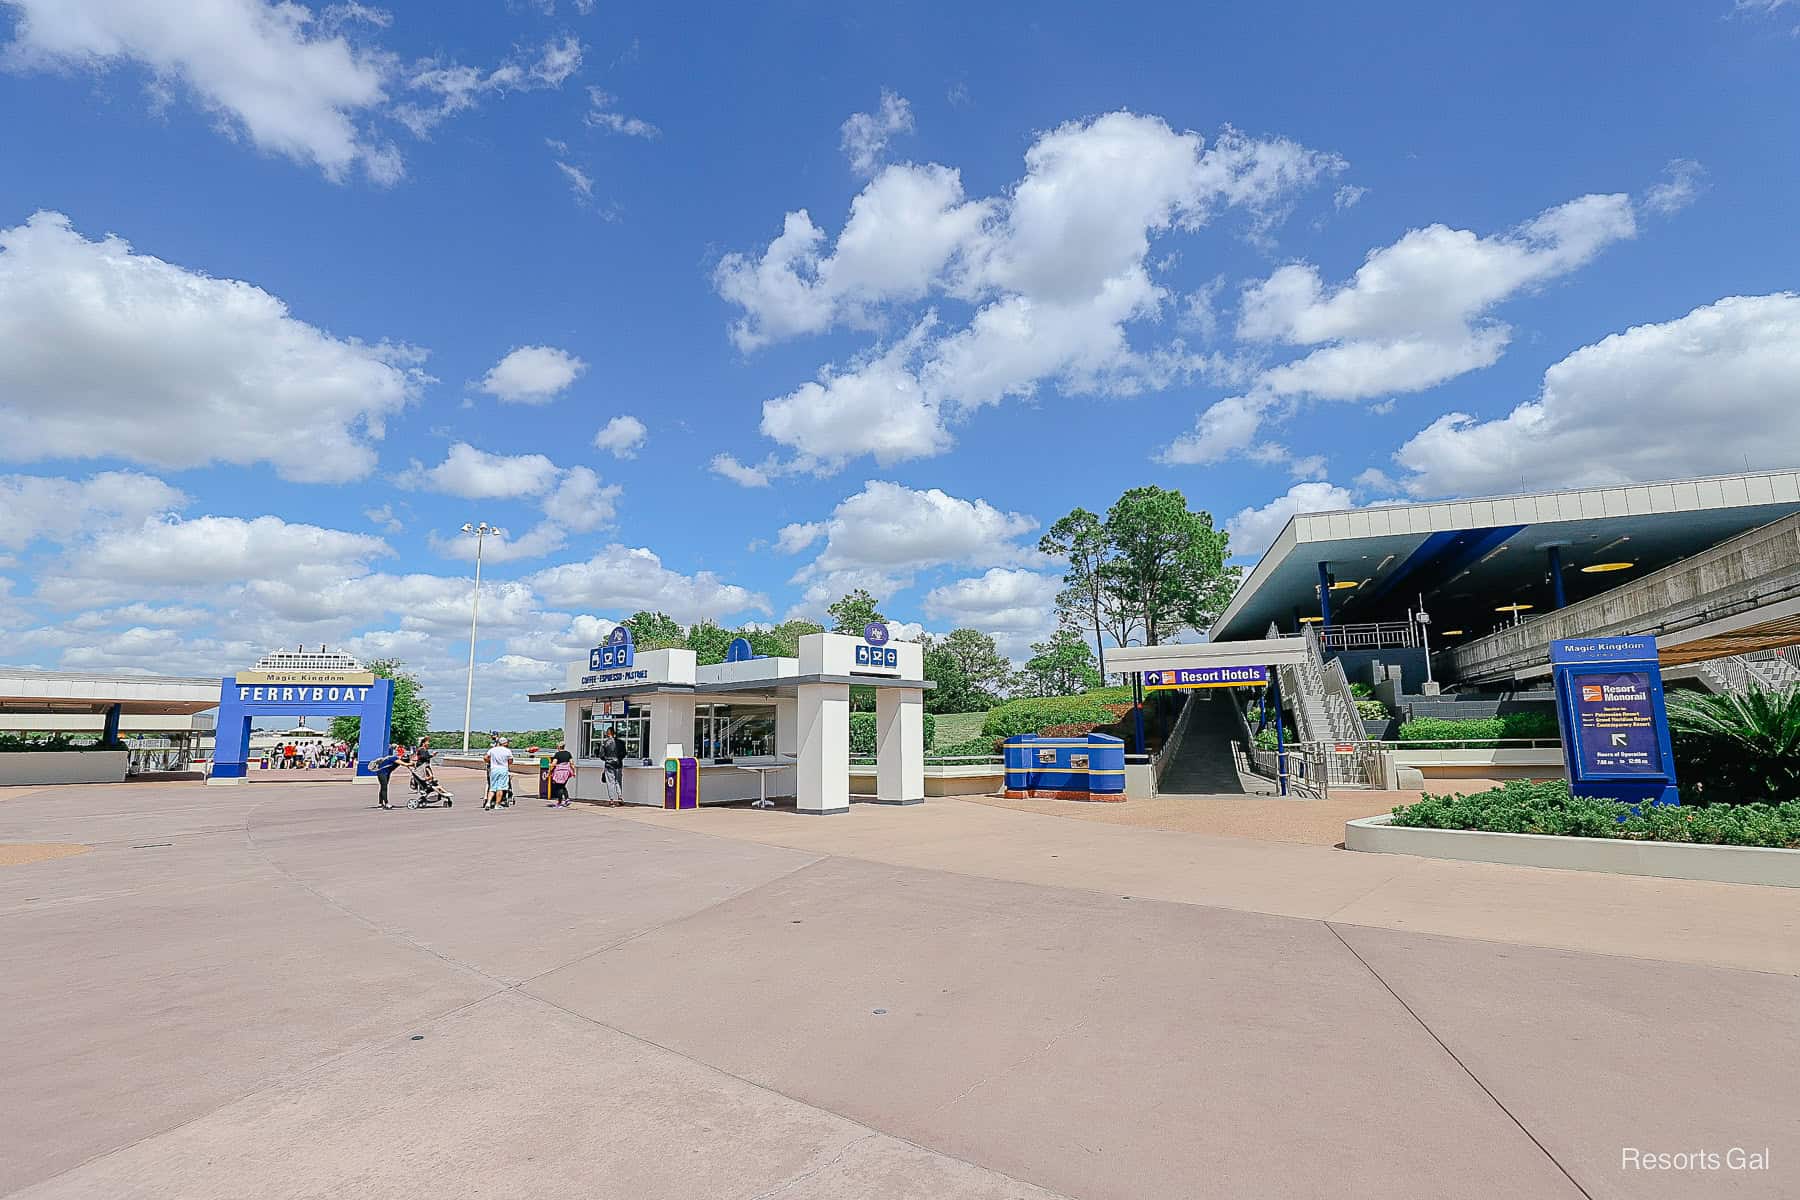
{"x":532,"y":375}
{"x":1253,"y":529}
{"x":95,"y":338}
{"x":1055,"y":268}
{"x":865,"y":135}
{"x":1710,"y":392}
{"x":1415,"y":315}
{"x":270,"y":70}
{"x":622,"y":436}
{"x":478,"y":475}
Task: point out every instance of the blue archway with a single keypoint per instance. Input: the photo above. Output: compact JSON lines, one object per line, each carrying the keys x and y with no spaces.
{"x":242,"y":703}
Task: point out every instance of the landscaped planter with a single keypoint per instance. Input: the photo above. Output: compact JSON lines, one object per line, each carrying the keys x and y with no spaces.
{"x":1618,"y":856}
{"x":63,"y":766}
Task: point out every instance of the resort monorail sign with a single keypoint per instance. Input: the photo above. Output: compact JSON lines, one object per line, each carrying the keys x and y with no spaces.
{"x":1178,"y":678}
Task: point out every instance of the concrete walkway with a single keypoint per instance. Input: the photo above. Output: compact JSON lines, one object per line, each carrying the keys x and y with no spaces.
{"x":284,"y":992}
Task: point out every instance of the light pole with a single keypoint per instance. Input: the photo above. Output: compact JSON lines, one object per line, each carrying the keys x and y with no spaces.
{"x":480,"y":531}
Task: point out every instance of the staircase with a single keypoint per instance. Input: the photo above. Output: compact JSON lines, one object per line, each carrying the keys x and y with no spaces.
{"x":1325,"y":711}
{"x":1775,"y":671}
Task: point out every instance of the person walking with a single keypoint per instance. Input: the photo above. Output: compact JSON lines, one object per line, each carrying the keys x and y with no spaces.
{"x":499,"y":764}
{"x":612,"y":755}
{"x":562,"y":769}
{"x":384,"y":767}
{"x":287,"y":756}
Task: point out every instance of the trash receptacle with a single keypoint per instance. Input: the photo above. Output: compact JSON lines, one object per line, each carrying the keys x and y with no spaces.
{"x":543,"y":778}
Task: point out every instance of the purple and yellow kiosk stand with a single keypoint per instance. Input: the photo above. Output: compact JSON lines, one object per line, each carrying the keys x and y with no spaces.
{"x":681,"y":783}
{"x":1615,"y":734}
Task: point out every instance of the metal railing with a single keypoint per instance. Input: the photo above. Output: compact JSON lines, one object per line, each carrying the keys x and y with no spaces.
{"x":1374,"y":635}
{"x":1554,"y":743}
{"x":1308,"y":771}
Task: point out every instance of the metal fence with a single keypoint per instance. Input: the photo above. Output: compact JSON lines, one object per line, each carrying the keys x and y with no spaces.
{"x":1374,"y":635}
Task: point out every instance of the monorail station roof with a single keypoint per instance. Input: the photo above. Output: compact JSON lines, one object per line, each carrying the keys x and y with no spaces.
{"x":1474,"y":560}
{"x":28,"y":691}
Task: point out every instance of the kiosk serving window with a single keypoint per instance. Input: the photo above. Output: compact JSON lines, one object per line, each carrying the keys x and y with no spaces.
{"x":630,"y":721}
{"x":734,"y":730}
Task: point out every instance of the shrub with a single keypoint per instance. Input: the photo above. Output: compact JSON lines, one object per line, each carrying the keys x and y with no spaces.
{"x":1371,"y":710}
{"x":1478,"y":732}
{"x":1549,"y":808}
{"x":983,"y":747}
{"x":1109,"y":695}
{"x":1733,"y":749}
{"x":1362,"y":691}
{"x":863,"y":732}
{"x":1265,"y":737}
{"x":1034,"y":714}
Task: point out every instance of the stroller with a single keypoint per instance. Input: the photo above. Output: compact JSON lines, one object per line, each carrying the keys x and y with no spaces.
{"x":427,"y":791}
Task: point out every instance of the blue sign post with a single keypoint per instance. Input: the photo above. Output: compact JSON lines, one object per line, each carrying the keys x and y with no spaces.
{"x":1615,"y":732}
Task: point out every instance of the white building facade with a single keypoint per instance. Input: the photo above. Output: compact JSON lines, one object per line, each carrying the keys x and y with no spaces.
{"x":756,"y":726}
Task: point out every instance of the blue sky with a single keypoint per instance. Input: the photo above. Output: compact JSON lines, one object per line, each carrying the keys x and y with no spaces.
{"x":727,"y":312}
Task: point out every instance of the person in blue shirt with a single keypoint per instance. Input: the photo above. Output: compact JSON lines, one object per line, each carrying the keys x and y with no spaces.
{"x":383,"y":767}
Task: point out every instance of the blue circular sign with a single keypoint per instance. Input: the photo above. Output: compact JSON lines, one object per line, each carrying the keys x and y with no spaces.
{"x":875,"y":633}
{"x":620,"y":633}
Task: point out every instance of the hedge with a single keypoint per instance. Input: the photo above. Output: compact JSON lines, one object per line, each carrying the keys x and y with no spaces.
{"x":863,"y":732}
{"x":1473,"y":731}
{"x":1032,"y":714}
{"x":1549,"y":808}
{"x":975,"y":747}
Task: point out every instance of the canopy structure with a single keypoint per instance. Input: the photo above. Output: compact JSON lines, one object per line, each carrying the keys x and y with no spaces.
{"x":26,"y":691}
{"x":1480,"y":565}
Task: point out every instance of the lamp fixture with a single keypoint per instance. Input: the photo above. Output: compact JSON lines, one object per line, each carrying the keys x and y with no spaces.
{"x":1514,"y":608}
{"x":1451,"y":633}
{"x":1602,"y":568}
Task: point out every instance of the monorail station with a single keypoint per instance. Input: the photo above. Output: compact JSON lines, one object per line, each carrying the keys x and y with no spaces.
{"x":114,"y":709}
{"x":749,"y":728}
{"x":1710,"y":567}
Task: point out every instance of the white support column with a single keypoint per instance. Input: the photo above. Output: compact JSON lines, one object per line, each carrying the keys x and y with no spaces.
{"x":822,"y":778}
{"x":899,"y":746}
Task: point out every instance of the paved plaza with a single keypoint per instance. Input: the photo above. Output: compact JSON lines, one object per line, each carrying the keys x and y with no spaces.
{"x":281,"y":991}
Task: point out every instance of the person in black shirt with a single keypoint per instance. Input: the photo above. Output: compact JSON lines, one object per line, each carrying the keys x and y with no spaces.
{"x":562,"y":769}
{"x":421,"y":761}
{"x":612,"y":753}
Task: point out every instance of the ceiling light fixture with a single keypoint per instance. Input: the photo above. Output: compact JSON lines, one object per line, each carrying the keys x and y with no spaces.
{"x":1514,"y":608}
{"x":1602,"y":568}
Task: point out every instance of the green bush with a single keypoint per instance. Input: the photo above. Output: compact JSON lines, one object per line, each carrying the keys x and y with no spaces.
{"x":1477,"y":732}
{"x":1735,"y":749}
{"x":1371,"y":710}
{"x":1548,"y":808}
{"x":863,"y":733}
{"x":1265,"y":737}
{"x":1032,"y":714}
{"x":39,"y":743}
{"x":957,"y":728}
{"x":1362,"y":691}
{"x":1109,"y":695}
{"x":975,"y":747}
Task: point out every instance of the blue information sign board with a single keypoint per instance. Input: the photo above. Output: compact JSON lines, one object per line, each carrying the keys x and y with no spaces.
{"x":1176,"y":678}
{"x":1609,"y":702}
